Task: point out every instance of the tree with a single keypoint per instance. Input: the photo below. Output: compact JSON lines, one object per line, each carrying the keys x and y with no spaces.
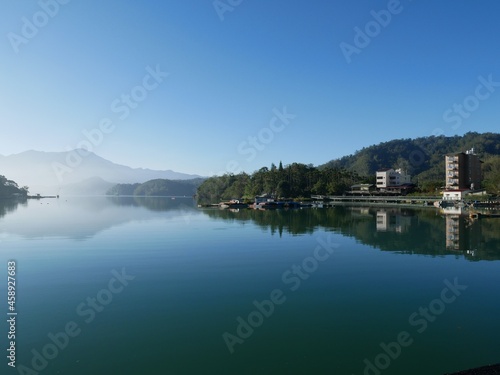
{"x":9,"y":188}
{"x":295,"y":180}
{"x":283,"y":189}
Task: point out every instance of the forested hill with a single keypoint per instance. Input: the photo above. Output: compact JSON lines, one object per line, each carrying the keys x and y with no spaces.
{"x":295,"y":180}
{"x":10,"y":189}
{"x":423,"y":157}
{"x":158,"y":187}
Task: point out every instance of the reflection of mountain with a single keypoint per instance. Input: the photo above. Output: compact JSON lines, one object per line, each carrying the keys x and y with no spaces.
{"x":81,"y":218}
{"x":406,"y":230}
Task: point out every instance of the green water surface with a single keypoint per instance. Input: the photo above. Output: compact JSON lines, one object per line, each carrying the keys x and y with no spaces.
{"x":129,"y":285}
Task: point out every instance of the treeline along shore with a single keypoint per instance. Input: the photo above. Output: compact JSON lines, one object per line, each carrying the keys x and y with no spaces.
{"x":335,"y":178}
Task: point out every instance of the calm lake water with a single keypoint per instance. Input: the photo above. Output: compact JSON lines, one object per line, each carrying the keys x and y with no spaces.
{"x":157,"y":286}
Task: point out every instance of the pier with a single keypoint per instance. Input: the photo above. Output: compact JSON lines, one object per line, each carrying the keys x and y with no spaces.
{"x":38,"y":196}
{"x":398,"y":199}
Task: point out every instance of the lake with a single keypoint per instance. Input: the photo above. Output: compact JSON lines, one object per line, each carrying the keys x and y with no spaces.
{"x":124,"y":285}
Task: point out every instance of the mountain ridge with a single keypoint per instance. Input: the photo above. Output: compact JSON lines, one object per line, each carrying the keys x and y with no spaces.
{"x":46,"y":171}
{"x":422,"y":157}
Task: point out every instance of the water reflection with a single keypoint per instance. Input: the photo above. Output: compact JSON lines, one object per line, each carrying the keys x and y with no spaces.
{"x":155,"y":203}
{"x":393,"y":220}
{"x":10,"y":205}
{"x":82,"y":218}
{"x":405,"y":230}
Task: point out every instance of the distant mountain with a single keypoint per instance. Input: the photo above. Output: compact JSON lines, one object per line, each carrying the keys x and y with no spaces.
{"x":51,"y":172}
{"x":158,"y":187}
{"x":90,"y":186}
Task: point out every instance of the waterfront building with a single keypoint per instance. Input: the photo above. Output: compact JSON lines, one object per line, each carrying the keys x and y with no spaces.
{"x":463,"y":171}
{"x":390,"y":179}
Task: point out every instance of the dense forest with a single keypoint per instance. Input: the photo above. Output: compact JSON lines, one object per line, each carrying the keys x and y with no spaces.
{"x":292,"y":181}
{"x":158,"y":187}
{"x":422,"y":158}
{"x":10,"y":189}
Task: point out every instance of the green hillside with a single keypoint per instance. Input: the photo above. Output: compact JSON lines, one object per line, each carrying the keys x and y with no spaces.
{"x":158,"y":187}
{"x":423,"y":158}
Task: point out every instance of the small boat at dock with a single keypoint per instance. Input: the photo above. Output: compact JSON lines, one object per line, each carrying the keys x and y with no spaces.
{"x":233,"y":203}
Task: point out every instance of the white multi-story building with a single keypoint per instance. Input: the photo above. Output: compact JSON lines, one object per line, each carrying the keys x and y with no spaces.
{"x":390,"y":177}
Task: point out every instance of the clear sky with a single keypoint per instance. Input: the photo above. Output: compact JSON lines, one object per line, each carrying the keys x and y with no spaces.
{"x":341,"y":75}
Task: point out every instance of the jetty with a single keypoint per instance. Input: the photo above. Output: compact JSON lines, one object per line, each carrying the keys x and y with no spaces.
{"x":38,"y":196}
{"x":387,"y":199}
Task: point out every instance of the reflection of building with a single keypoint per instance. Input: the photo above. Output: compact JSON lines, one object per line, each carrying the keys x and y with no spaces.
{"x":390,"y":221}
{"x":463,"y":171}
{"x":461,"y":235}
{"x":447,"y":210}
{"x":360,"y":211}
{"x":453,"y":230}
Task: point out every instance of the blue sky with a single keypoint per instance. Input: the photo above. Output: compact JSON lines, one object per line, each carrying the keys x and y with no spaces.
{"x":230,"y":71}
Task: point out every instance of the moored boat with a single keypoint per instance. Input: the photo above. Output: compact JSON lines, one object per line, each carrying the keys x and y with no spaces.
{"x":233,"y":203}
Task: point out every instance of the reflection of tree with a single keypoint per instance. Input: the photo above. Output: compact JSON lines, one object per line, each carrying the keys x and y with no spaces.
{"x":9,"y":205}
{"x":424,"y":234}
{"x":490,"y":239}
